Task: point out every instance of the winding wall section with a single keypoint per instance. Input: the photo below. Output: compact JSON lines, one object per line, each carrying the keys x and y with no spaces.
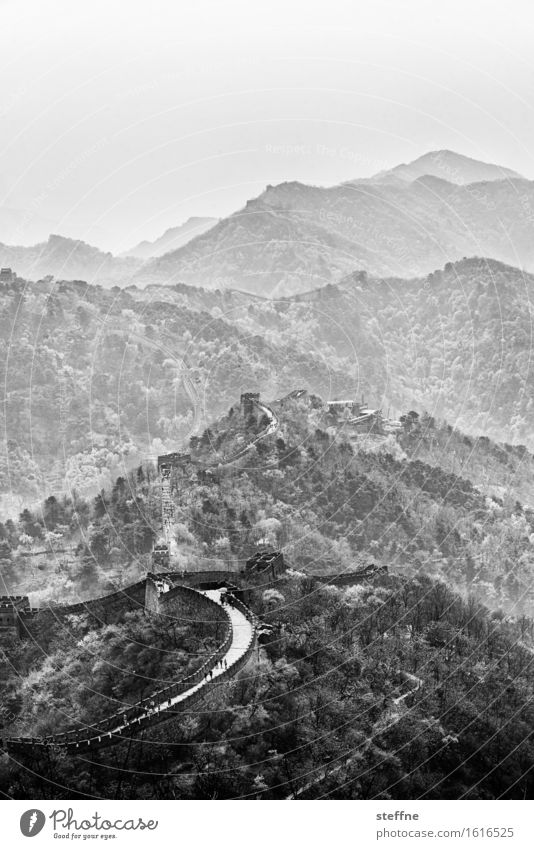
{"x":229,"y":657}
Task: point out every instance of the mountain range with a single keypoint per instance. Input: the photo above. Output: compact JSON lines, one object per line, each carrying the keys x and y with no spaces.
{"x":94,"y":380}
{"x":407,"y":221}
{"x":294,"y":236}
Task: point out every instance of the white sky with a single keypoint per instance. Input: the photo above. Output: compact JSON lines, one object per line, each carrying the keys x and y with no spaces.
{"x":120,"y":119}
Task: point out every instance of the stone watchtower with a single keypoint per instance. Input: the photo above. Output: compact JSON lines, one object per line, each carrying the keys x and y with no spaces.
{"x":7,"y":275}
{"x":249,"y":405}
{"x":176,"y":460}
{"x":12,"y":608}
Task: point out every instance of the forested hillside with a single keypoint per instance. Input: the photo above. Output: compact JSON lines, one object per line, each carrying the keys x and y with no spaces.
{"x":402,"y":686}
{"x":68,"y":259}
{"x":327,"y":499}
{"x":96,"y":381}
{"x":457,"y":343}
{"x":396,"y":688}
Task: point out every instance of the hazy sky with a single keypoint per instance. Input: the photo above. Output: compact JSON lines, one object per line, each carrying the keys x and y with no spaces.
{"x":120,"y":119}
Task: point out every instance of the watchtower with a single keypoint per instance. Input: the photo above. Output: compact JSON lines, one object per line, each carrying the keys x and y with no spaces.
{"x":176,"y":460}
{"x":270,"y":562}
{"x":161,"y":555}
{"x":7,"y":275}
{"x":11,"y":608}
{"x":249,"y":404}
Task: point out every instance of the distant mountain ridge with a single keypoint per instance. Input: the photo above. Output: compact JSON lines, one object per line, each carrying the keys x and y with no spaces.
{"x":294,"y":237}
{"x":68,"y":259}
{"x":172,"y":239}
{"x":450,"y":166}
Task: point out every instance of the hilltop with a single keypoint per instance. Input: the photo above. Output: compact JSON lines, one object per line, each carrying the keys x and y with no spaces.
{"x":450,"y":166}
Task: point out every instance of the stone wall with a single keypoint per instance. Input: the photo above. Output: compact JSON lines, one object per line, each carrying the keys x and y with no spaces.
{"x":180,"y":602}
{"x":187,"y":606}
{"x":167,"y":726}
{"x":138,"y":723}
{"x":204,"y":576}
{"x":347,"y":579}
{"x":105,"y":609}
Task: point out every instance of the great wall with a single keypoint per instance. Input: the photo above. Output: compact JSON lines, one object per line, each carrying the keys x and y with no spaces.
{"x":210,"y":595}
{"x":179,"y":602}
{"x":201,"y":596}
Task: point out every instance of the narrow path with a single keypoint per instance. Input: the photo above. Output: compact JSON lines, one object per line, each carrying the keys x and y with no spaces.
{"x":242,"y":631}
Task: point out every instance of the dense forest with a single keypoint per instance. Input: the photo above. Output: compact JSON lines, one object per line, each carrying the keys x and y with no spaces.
{"x":456,"y":343}
{"x":98,"y":381}
{"x":395,"y":688}
{"x":80,"y":670}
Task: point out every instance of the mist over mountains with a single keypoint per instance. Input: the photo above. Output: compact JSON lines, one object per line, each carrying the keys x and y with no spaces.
{"x":172,"y":239}
{"x":357,"y":291}
{"x":293,"y":237}
{"x":450,"y":166}
{"x":408,"y":221}
{"x":68,"y":259}
{"x":454,"y":341}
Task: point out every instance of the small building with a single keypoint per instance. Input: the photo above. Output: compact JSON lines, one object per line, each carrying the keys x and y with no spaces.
{"x":369,"y":421}
{"x":266,"y":561}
